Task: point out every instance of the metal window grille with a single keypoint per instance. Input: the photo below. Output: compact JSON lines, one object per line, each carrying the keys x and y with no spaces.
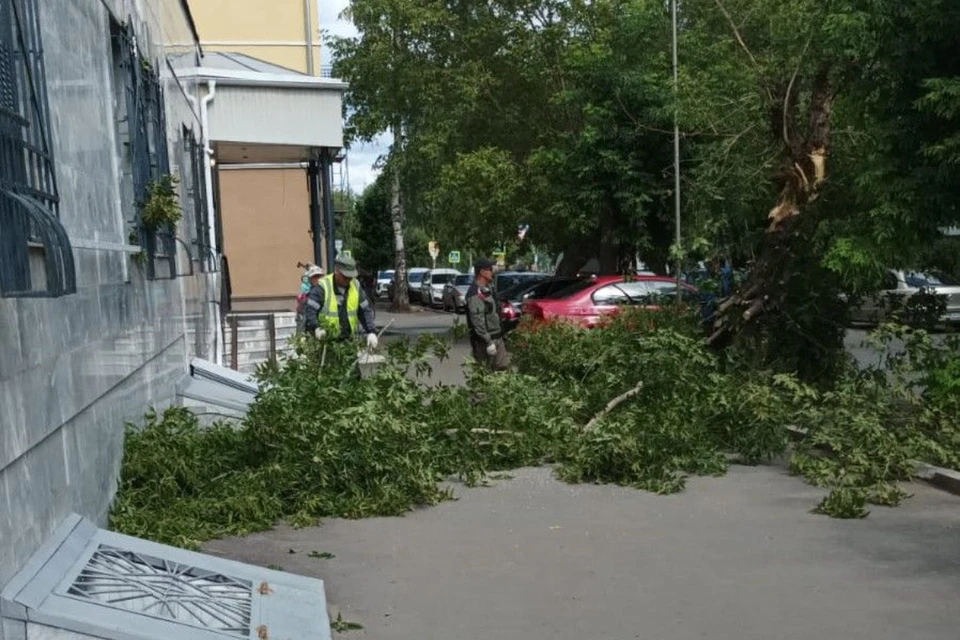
{"x":29,"y":223}
{"x":195,"y":161}
{"x":148,"y":155}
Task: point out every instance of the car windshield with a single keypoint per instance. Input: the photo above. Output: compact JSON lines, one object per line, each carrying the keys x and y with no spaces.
{"x":514,"y":292}
{"x":507,"y":281}
{"x":574,"y":288}
{"x":919,"y":280}
{"x":416,"y":276}
{"x":463,"y":281}
{"x":385,"y":275}
{"x":442,"y":278}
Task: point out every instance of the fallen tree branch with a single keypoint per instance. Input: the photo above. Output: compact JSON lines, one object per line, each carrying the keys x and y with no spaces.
{"x":496,"y":432}
{"x":613,"y":404}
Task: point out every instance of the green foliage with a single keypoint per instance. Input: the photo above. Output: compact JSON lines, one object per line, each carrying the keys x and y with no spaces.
{"x":374,"y":234}
{"x":688,"y":414}
{"x":342,"y":626}
{"x":162,"y":206}
{"x":639,"y":402}
{"x":181,"y":484}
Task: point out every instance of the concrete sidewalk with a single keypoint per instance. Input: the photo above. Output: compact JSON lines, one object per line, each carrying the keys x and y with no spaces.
{"x":732,"y":558}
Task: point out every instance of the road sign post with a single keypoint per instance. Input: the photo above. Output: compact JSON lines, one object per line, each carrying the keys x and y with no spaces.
{"x":434,"y":250}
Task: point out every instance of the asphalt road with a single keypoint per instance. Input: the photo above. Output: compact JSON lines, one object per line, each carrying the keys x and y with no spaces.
{"x":732,"y":558}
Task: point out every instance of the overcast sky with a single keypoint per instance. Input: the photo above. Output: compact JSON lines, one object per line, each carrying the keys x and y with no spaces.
{"x":360,"y":158}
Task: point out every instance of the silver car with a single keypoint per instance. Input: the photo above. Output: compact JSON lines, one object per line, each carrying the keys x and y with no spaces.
{"x":898,"y":286}
{"x":455,"y":293}
{"x":434,"y":281}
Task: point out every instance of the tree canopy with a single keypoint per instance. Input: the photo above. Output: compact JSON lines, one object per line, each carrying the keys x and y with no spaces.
{"x":820,"y":138}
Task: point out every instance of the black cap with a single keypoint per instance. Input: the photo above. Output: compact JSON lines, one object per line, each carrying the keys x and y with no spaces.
{"x":480,"y":265}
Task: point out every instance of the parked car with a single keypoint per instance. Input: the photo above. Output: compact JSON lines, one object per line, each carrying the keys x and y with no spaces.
{"x":384,"y":279}
{"x":414,"y":277}
{"x":507,"y":279}
{"x":431,"y":289}
{"x":898,"y":286}
{"x":455,"y":293}
{"x":587,"y":302}
{"x":512,"y":299}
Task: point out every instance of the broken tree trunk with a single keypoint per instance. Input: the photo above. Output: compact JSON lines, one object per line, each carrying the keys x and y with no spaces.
{"x":800,"y":179}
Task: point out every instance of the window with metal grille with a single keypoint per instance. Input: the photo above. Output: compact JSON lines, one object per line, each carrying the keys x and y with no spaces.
{"x":142,"y":135}
{"x":36,"y":259}
{"x":194,"y":165}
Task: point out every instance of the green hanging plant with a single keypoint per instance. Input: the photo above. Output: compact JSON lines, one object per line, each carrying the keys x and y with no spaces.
{"x":162,"y":206}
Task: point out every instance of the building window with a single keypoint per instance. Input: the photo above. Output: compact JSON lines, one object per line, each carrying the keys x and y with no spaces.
{"x":195,"y":165}
{"x":142,"y":136}
{"x":36,"y":259}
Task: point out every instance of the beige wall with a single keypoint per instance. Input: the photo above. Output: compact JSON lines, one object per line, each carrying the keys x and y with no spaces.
{"x":266,"y":231}
{"x":272,"y":30}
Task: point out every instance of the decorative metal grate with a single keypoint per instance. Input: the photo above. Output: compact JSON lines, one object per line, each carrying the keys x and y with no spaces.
{"x":143,"y":584}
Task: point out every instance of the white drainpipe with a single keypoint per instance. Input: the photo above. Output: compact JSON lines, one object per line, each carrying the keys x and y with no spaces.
{"x":211,"y":214}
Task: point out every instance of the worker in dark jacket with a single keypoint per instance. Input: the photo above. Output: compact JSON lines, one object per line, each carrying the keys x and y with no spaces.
{"x":338,"y":308}
{"x":483,"y":319}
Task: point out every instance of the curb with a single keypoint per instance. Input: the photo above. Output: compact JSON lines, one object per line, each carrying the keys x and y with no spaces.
{"x":944,"y":479}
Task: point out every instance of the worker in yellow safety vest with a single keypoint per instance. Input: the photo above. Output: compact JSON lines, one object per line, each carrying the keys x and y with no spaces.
{"x":337,"y":307}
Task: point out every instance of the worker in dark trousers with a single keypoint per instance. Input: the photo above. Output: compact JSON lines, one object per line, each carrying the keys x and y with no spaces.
{"x":483,"y":319}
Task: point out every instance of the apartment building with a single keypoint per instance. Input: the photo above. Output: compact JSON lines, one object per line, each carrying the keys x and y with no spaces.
{"x":101,"y":307}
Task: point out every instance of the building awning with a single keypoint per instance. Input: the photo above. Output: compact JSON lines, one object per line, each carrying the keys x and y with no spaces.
{"x":263,"y":113}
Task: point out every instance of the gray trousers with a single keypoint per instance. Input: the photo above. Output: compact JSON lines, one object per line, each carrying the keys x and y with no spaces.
{"x":499,"y":362}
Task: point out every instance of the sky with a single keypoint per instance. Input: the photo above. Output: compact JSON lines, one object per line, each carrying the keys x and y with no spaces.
{"x":361,"y":158}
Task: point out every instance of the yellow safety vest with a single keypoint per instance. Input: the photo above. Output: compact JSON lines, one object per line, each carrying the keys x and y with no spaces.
{"x":329,"y":316}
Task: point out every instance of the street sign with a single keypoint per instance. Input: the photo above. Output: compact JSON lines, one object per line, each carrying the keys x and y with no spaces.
{"x":454,"y":257}
{"x":433,"y":248}
{"x":338,"y":244}
{"x":347,"y":253}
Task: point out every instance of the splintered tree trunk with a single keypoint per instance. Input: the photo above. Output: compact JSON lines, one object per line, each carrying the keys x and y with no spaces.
{"x":800,"y":179}
{"x":401,"y":298}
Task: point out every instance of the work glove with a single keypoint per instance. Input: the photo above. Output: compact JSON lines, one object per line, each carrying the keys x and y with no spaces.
{"x":492,"y":349}
{"x":372,"y":342}
{"x":319,"y":334}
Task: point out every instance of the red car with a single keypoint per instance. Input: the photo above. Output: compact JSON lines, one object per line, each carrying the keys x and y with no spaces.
{"x":587,"y":302}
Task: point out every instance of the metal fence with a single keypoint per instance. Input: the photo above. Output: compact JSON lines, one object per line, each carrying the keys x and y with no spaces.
{"x":29,"y":201}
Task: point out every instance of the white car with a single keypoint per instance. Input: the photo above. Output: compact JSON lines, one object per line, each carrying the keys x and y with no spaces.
{"x":431,"y":290}
{"x":414,"y":281}
{"x":384,"y":278}
{"x":903,"y":284}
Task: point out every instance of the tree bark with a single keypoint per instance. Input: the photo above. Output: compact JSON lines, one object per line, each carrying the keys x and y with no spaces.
{"x":401,"y":297}
{"x":802,"y":174}
{"x":575,"y":256}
